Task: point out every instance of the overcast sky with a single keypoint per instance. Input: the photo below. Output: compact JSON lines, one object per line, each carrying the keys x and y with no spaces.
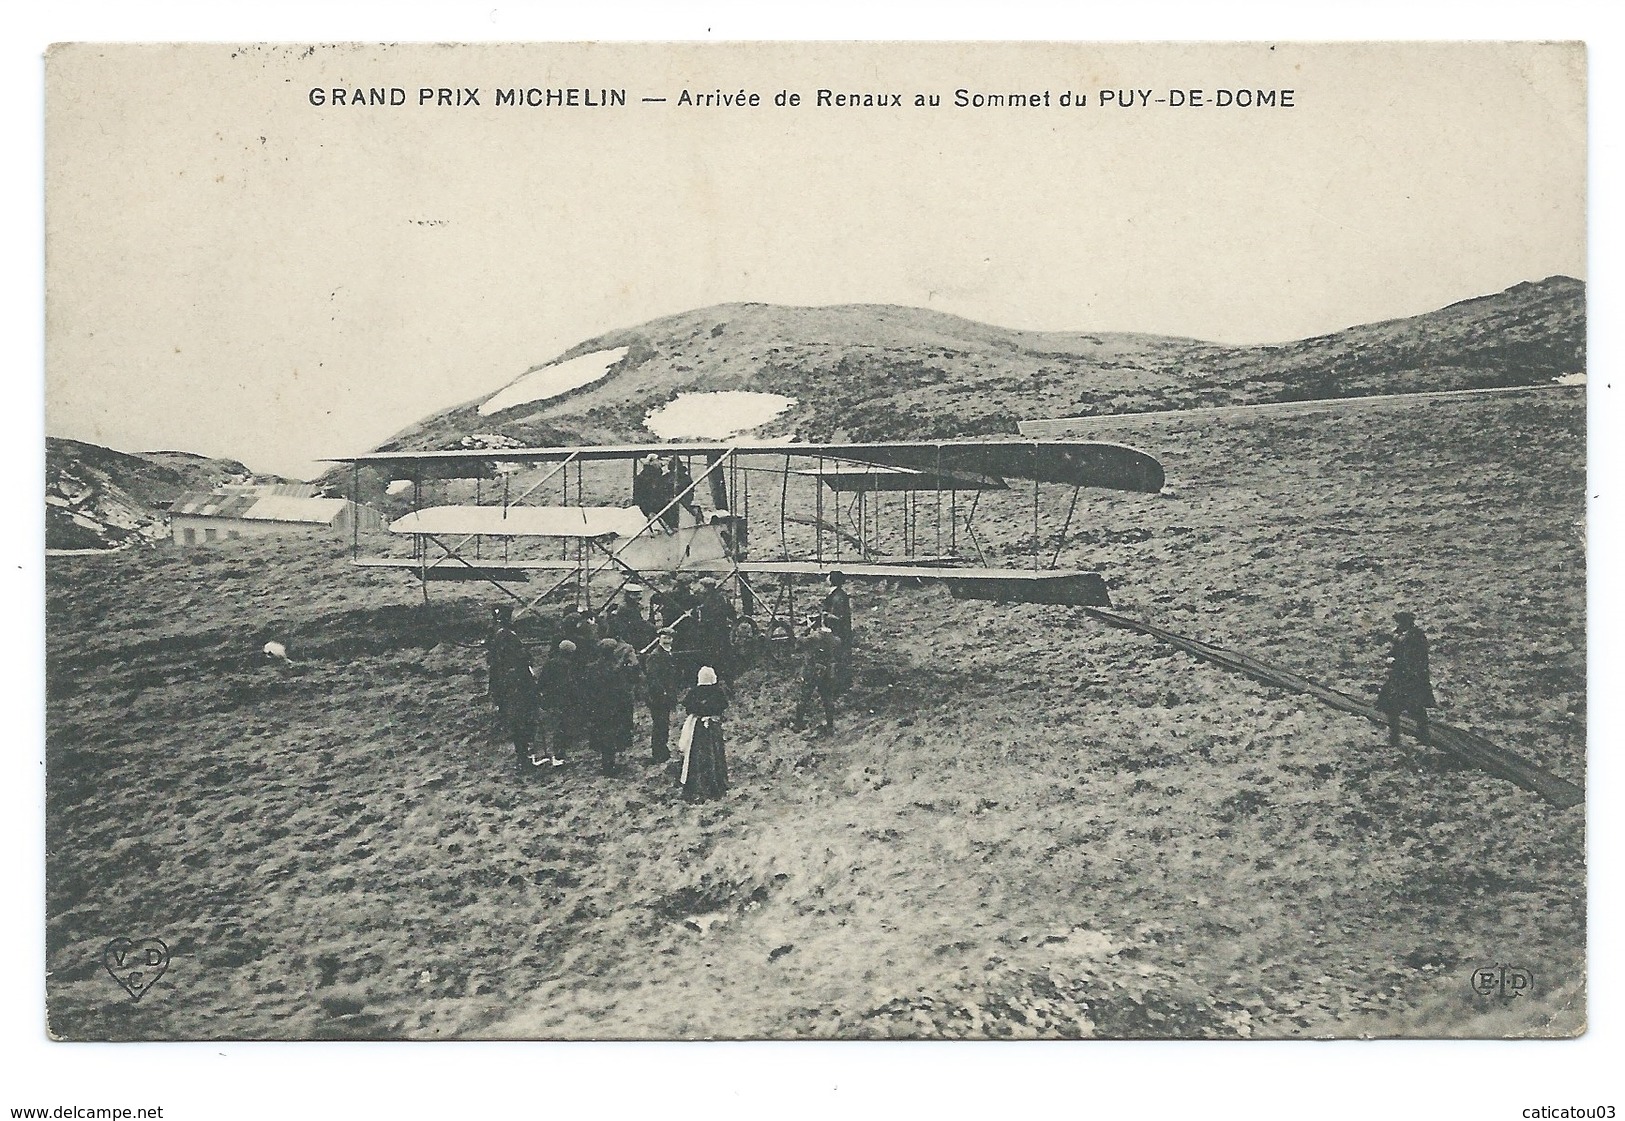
{"x":236,"y":272}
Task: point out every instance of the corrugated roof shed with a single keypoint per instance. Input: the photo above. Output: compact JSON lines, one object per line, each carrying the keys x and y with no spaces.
{"x":286,"y":490}
{"x":207,"y":504}
{"x":258,"y":507}
{"x":281,"y":508}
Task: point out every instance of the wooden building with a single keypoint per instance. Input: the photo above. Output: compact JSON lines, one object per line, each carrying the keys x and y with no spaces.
{"x":199,"y":517}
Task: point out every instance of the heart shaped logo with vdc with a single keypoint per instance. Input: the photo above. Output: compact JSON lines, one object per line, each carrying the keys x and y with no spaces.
{"x":136,"y":964}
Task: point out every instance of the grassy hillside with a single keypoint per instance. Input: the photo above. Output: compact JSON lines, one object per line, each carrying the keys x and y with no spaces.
{"x":1026,"y":825}
{"x":867,"y":372}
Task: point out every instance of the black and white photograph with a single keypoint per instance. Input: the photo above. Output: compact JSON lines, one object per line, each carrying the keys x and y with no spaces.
{"x":815,"y":542}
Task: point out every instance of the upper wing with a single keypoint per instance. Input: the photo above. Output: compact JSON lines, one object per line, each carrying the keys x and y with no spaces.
{"x":940,"y":464}
{"x":1112,"y":466}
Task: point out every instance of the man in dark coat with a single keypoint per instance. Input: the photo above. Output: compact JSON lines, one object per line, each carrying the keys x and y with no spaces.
{"x":613,"y":694}
{"x":571,"y":624}
{"x":651,"y":487}
{"x":660,"y":688}
{"x":512,"y":686}
{"x":627,"y":622}
{"x":682,"y":489}
{"x":837,"y":608}
{"x":609,"y":620}
{"x":562,"y":688}
{"x":1408,"y":689}
{"x":503,"y":655}
{"x":679,"y":609}
{"x":714,"y":631}
{"x":820,"y":663}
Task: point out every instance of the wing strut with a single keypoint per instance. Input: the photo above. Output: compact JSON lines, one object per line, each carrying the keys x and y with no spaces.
{"x":615,"y":558}
{"x":1060,"y":542}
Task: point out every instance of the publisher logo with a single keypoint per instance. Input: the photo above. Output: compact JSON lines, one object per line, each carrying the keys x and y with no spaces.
{"x":136,"y":965}
{"x":1505,"y":982}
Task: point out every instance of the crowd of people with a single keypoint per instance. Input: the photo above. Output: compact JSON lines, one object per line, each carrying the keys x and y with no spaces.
{"x":676,"y":652}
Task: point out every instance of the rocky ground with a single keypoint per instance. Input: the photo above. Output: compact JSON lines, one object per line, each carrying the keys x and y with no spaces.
{"x":1026,"y":824}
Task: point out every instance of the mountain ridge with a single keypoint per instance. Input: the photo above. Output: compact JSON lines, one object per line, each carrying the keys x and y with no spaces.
{"x":886,"y":371}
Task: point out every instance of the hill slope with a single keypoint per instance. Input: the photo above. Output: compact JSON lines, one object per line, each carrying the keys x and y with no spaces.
{"x":865,"y":371}
{"x":98,"y":498}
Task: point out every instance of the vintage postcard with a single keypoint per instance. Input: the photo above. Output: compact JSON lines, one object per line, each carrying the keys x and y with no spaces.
{"x":816,"y":541}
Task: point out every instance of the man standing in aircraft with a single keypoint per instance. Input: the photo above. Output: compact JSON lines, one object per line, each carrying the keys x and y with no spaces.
{"x":651,"y":487}
{"x":682,"y":489}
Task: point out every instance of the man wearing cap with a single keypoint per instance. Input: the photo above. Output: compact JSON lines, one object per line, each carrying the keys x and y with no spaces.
{"x":628,"y":624}
{"x":660,"y":685}
{"x":837,"y":609}
{"x":613,"y":693}
{"x":561,"y":686}
{"x":820,"y":660}
{"x":1408,"y":689}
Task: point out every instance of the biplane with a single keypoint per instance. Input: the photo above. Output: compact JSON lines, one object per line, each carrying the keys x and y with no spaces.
{"x":760,"y":517}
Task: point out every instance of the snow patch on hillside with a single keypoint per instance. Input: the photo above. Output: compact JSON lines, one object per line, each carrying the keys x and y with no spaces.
{"x":553,"y":380}
{"x":715,"y":416}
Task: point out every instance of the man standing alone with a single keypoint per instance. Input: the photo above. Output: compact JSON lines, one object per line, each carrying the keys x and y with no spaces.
{"x":1409,"y":687}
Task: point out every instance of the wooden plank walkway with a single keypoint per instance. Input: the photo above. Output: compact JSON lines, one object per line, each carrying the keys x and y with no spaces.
{"x":1467,"y":746}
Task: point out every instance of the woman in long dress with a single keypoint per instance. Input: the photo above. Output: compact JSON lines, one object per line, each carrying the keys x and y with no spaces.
{"x":705,"y":763}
